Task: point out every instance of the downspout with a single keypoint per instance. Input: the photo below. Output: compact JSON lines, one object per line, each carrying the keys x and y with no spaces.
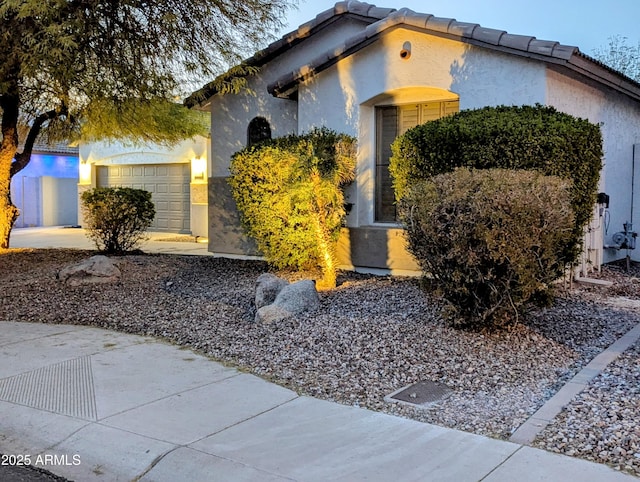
{"x":633,"y":175}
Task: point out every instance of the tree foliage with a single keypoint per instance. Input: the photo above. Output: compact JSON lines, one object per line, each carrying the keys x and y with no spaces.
{"x":289,"y":192}
{"x":621,"y":56}
{"x":94,"y":69}
{"x":117,"y":217}
{"x":492,"y":239}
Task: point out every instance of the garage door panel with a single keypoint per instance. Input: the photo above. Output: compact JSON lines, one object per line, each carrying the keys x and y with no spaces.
{"x":175,"y":225}
{"x":168,"y":185}
{"x":162,"y":223}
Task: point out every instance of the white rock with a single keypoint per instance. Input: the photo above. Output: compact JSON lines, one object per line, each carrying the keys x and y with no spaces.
{"x":97,"y":269}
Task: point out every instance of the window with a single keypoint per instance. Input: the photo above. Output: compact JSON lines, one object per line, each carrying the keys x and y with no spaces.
{"x":391,"y":122}
{"x":258,"y":131}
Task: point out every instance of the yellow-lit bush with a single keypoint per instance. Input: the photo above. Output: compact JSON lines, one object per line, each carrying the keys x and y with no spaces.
{"x":289,"y":192}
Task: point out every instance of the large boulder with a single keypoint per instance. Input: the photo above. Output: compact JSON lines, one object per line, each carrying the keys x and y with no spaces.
{"x":292,"y":299}
{"x":267,"y":288}
{"x":95,"y":270}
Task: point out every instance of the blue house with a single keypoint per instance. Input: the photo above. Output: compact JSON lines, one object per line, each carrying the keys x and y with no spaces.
{"x":46,"y":190}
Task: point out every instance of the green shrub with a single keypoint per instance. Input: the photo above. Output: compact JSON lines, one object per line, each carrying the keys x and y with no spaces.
{"x":289,"y":192}
{"x":492,"y":239}
{"x":527,"y":137}
{"x":117,"y":217}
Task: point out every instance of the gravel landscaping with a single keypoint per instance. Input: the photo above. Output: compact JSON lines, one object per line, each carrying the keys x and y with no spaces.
{"x":371,"y":336}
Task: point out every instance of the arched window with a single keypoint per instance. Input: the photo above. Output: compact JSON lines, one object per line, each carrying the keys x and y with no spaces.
{"x":258,"y":131}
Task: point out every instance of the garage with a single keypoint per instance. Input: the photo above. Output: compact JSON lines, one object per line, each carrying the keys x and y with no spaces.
{"x":168,"y":185}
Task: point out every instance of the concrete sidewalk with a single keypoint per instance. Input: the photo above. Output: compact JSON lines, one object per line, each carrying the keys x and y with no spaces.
{"x":90,"y":404}
{"x":75,"y":238}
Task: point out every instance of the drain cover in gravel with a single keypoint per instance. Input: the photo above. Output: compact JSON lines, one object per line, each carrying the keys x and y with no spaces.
{"x":420,"y":393}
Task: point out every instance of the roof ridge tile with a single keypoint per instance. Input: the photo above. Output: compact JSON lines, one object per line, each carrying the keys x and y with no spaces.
{"x":544,"y":47}
{"x":515,"y":41}
{"x":439,"y":24}
{"x":418,"y":19}
{"x":359,"y":8}
{"x":379,"y":26}
{"x":488,"y":35}
{"x":564,"y":52}
{"x":340,"y":8}
{"x":464,"y":29}
{"x":380,"y":12}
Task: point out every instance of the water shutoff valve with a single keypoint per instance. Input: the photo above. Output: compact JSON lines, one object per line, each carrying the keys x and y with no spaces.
{"x":625,"y":239}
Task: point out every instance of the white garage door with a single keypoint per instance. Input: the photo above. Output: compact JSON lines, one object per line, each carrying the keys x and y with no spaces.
{"x":168,"y":185}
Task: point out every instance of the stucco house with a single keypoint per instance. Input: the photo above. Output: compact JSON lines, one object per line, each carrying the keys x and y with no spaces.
{"x":176,"y":177}
{"x":373,"y":73}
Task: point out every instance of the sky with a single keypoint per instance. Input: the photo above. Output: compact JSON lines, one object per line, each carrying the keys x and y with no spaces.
{"x":587,"y":24}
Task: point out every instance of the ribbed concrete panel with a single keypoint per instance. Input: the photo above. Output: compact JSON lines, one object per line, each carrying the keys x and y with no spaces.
{"x":65,"y":388}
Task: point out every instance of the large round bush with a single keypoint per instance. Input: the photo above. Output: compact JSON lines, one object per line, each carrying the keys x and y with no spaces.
{"x":528,"y":137}
{"x":492,"y":240}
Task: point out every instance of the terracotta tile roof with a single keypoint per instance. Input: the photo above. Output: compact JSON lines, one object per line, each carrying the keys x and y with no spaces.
{"x":364,"y":11}
{"x":382,"y":19}
{"x":57,"y":148}
{"x":472,"y":33}
{"x":42,"y":147}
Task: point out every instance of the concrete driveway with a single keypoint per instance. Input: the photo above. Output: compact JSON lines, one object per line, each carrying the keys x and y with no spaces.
{"x":76,"y":238}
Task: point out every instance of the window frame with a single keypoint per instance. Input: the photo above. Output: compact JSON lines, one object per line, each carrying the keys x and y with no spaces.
{"x":381,"y":162}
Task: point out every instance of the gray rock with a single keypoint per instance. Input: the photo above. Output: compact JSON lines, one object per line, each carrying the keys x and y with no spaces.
{"x":267,"y":288}
{"x":292,"y":299}
{"x":272,"y":314}
{"x":97,"y":269}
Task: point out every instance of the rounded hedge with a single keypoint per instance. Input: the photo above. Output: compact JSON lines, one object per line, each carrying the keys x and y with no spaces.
{"x":117,"y":218}
{"x":493,"y":240}
{"x":527,"y":137}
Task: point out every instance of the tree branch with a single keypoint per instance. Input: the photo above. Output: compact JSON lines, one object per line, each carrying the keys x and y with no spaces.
{"x":23,"y":158}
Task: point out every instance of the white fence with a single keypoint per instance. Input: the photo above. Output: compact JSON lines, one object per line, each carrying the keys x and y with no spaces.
{"x":45,"y":201}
